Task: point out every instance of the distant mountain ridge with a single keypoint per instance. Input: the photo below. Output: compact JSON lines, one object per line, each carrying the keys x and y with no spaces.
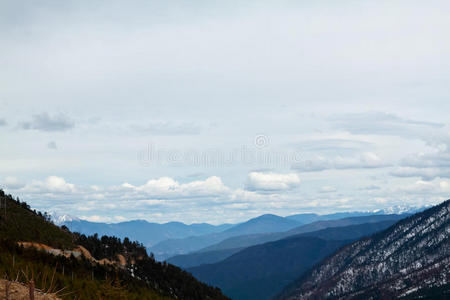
{"x":265,"y":223}
{"x":228,"y":247}
{"x":174,"y":238}
{"x":409,"y":257}
{"x":392,"y":210}
{"x":243,"y":241}
{"x":147,"y":233}
{"x":260,"y":272}
{"x":256,"y":234}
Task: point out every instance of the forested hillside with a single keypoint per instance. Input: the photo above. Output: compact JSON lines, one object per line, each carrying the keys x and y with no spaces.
{"x":107,"y":269}
{"x":19,"y":222}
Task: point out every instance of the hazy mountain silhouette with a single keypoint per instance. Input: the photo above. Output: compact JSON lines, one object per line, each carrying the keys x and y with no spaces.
{"x":261,"y":224}
{"x":147,"y":233}
{"x":227,"y":247}
{"x":260,"y":272}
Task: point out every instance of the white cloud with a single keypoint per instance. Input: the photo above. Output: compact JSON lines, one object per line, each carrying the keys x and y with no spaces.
{"x":424,"y":173}
{"x":382,"y":123}
{"x":381,"y":200}
{"x":437,"y":159}
{"x":327,"y":189}
{"x":334,"y":145}
{"x":166,"y":187}
{"x":368,"y":160}
{"x":95,"y":196}
{"x":167,"y":128}
{"x":114,"y":197}
{"x":128,"y":186}
{"x":259,"y":181}
{"x":242,"y":196}
{"x":12,"y":182}
{"x":427,"y":187}
{"x":95,"y":188}
{"x":203,"y":200}
{"x":444,"y":185}
{"x":97,"y":218}
{"x":425,"y":165}
{"x":365,"y":160}
{"x":369,"y":188}
{"x":52,"y":184}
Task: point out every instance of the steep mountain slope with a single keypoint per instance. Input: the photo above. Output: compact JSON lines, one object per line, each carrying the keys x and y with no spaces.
{"x":410,"y":256}
{"x":147,"y":233}
{"x":261,"y":271}
{"x":227,"y":247}
{"x":348,"y":232}
{"x":19,"y":222}
{"x":436,"y":293}
{"x":201,"y":258}
{"x":264,"y":223}
{"x":106,"y":268}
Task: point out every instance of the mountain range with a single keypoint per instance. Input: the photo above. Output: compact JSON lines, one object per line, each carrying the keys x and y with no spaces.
{"x":262,"y":224}
{"x":146,"y":232}
{"x":228,"y":247}
{"x":354,"y":255}
{"x":255,"y":231}
{"x":176,"y":238}
{"x":409,"y":259}
{"x":260,"y":272}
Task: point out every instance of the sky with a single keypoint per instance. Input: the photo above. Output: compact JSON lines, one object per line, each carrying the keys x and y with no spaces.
{"x":219,"y":111}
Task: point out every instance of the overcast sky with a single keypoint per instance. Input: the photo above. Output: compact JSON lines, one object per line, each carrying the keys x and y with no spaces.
{"x":218,"y":111}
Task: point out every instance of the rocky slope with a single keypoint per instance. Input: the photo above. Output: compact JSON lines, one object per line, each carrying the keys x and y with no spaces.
{"x":410,"y":256}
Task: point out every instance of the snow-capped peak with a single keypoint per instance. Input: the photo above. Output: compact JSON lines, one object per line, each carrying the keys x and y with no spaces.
{"x":402,"y":209}
{"x":60,"y":219}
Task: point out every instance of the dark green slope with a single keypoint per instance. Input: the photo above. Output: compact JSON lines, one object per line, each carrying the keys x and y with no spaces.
{"x":20,"y":223}
{"x":259,"y":272}
{"x":201,"y":258}
{"x":348,"y":232}
{"x":140,"y":278}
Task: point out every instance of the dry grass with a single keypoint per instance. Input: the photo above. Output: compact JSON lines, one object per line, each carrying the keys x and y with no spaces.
{"x":21,"y":291}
